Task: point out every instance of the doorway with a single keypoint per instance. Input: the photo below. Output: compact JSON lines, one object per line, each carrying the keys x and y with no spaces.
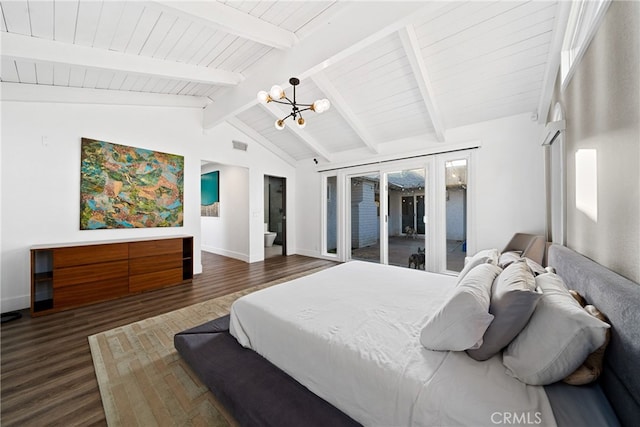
{"x":275,"y":216}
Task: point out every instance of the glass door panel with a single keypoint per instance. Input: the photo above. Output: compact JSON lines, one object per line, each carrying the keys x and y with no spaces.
{"x":365,"y":217}
{"x":420,"y":213}
{"x":405,"y":225}
{"x":331,"y":228}
{"x":456,"y":213}
{"x":408,"y":215}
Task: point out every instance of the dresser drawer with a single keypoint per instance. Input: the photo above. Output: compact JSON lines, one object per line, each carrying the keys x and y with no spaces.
{"x":90,"y":254}
{"x":89,"y":273}
{"x":88,"y":293}
{"x":154,"y":263}
{"x":157,"y":279}
{"x":155,"y":247}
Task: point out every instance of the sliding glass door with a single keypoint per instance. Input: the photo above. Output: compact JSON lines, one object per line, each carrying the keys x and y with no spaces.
{"x":331,"y":216}
{"x":456,"y":213}
{"x":364,"y":209}
{"x":411,"y":213}
{"x":405,"y":245}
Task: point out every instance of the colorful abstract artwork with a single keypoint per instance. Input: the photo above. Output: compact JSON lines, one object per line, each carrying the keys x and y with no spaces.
{"x":210,"y":194}
{"x":128,"y":187}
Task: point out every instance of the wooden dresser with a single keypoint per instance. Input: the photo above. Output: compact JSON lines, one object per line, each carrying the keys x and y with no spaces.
{"x":74,"y":275}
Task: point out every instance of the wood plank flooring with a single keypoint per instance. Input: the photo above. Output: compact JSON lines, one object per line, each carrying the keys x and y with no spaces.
{"x":47,"y":375}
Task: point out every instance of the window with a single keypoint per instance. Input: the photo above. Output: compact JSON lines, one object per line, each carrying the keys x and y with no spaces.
{"x":584,"y":19}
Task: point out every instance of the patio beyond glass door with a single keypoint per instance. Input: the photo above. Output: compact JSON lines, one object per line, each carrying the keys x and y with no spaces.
{"x":365,"y":217}
{"x":405,"y":244}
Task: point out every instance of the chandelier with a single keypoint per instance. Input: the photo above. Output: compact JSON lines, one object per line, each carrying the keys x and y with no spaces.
{"x":276,"y":94}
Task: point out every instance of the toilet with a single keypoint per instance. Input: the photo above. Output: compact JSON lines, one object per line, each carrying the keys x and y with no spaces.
{"x":269,"y":236}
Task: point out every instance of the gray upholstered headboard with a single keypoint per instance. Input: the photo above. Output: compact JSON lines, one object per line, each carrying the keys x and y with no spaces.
{"x":619,"y":299}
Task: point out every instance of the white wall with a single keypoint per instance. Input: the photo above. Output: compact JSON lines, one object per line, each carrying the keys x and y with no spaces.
{"x":601,"y":110}
{"x":508,"y":180}
{"x":41,"y":181}
{"x":228,"y":234}
{"x":308,"y":209}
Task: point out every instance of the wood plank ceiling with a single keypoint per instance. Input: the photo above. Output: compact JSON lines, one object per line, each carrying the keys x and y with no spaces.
{"x":392,"y":70}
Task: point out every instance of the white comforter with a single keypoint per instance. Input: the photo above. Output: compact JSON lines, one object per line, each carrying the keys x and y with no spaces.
{"x":350,"y":334}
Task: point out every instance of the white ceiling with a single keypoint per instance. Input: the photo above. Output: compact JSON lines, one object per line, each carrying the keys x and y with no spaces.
{"x":392,"y":70}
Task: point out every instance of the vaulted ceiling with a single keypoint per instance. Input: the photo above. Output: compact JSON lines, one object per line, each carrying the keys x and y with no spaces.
{"x":392,"y":70}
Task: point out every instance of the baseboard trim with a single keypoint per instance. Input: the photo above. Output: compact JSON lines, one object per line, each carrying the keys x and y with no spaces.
{"x":15,"y":303}
{"x":223,"y":252}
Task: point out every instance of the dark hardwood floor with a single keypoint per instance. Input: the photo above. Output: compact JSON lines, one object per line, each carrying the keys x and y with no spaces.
{"x":47,"y":375}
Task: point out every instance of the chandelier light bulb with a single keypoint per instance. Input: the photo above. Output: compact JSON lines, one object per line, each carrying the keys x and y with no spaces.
{"x":321,"y":105}
{"x":279,"y":124}
{"x":263,"y":97}
{"x":276,"y":92}
{"x":301,"y":123}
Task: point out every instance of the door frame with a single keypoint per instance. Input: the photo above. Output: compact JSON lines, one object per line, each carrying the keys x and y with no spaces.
{"x":284,"y":209}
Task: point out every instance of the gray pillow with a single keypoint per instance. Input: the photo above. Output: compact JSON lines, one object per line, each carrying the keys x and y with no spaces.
{"x":558,"y":338}
{"x":514,"y":297}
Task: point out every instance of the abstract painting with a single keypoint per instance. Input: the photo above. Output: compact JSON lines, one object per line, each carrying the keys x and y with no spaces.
{"x":128,"y":187}
{"x":210,"y":194}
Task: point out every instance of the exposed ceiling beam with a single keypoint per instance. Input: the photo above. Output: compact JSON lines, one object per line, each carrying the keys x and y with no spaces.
{"x":412,"y":49}
{"x":18,"y":46}
{"x":251,"y":133}
{"x":230,"y":20}
{"x":303,"y":135}
{"x":77,"y":95}
{"x":339,"y":103}
{"x":553,"y":60}
{"x":324,"y":47}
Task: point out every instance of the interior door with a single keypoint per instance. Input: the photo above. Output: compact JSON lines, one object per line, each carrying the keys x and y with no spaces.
{"x":276,"y":192}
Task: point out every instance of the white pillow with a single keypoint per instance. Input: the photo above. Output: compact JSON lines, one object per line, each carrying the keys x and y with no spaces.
{"x":481,"y":257}
{"x":461,"y":322}
{"x":558,"y":338}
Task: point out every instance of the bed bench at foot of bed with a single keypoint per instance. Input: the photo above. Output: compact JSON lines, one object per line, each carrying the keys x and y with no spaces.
{"x":254,"y":391}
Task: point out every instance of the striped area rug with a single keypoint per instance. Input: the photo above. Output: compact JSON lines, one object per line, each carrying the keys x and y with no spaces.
{"x":143,"y":380}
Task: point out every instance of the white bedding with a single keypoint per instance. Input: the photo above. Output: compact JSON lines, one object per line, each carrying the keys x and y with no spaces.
{"x":350,"y":334}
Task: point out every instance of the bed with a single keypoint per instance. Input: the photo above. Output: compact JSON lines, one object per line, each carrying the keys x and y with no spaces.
{"x":352,"y":355}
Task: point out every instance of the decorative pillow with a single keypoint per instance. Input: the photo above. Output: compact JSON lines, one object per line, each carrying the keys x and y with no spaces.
{"x":482,"y":257}
{"x":590,"y":370}
{"x":558,"y":338}
{"x":536,"y":268}
{"x":578,"y":298}
{"x":464,"y":317}
{"x":508,"y":258}
{"x":513,"y":300}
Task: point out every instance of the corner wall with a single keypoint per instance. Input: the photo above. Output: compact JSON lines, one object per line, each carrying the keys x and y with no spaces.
{"x":602,"y":110}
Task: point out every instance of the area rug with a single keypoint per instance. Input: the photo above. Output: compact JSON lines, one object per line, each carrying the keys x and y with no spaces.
{"x":142,"y":379}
